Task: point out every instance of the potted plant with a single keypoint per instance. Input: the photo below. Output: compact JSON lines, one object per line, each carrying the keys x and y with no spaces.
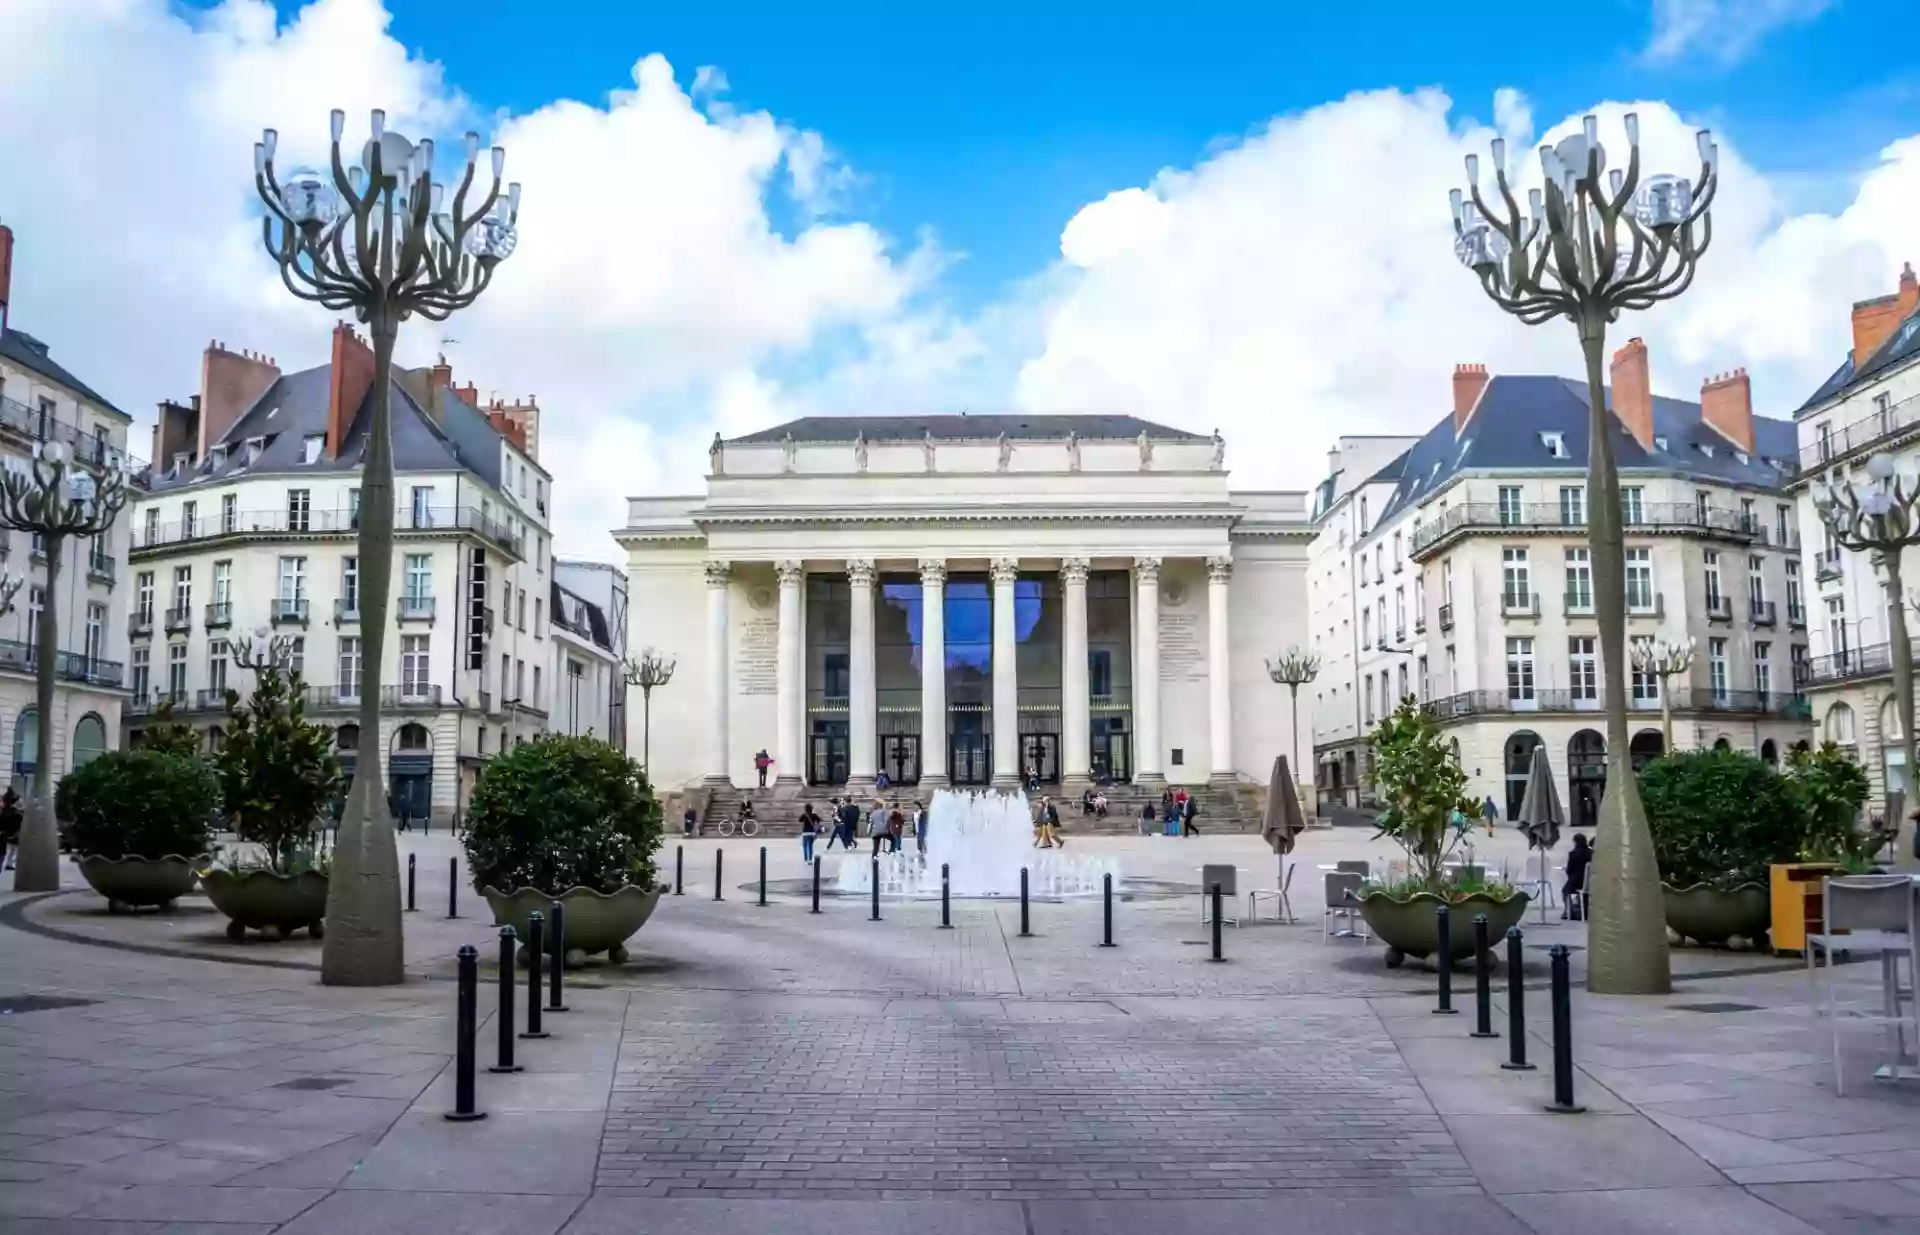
{"x":1719,"y":818}
{"x":139,"y":824}
{"x":277,"y":775}
{"x":1427,"y":811}
{"x":566,"y":819}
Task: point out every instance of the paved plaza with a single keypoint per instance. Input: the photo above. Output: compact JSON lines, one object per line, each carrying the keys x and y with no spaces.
{"x":759,"y":1069}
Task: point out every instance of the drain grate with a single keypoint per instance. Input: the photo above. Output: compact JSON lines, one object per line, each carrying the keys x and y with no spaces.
{"x":40,"y":1003}
{"x":1715,"y":1009}
{"x":314,"y":1082}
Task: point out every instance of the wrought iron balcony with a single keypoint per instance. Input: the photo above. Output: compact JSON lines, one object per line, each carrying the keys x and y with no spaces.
{"x":1719,"y":608}
{"x":1797,"y":617}
{"x":179,"y":618}
{"x":1762,"y":612}
{"x":88,"y":448}
{"x":414,"y":608}
{"x":1862,"y":662}
{"x":417,"y":695}
{"x":345,"y":611}
{"x":1520,"y":604}
{"x":219,"y":615}
{"x":287,"y":610}
{"x":1547,"y":518}
{"x":280,"y":524}
{"x":1860,"y":436}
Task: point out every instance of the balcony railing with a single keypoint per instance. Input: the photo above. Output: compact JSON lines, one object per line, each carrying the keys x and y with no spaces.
{"x":287,"y":610}
{"x":1546,"y":517}
{"x":1520,"y":604}
{"x":30,"y":422}
{"x":1646,"y":606}
{"x":1472,"y":703}
{"x":1850,"y":439}
{"x":1719,"y":608}
{"x":101,"y":570}
{"x":90,"y":670}
{"x":418,"y":695}
{"x":1797,"y":617}
{"x":1446,"y":617}
{"x":139,"y":623}
{"x":1580,"y":601}
{"x":1826,"y":565}
{"x":179,"y":617}
{"x":414,"y":608}
{"x":210,"y":699}
{"x":1762,"y":612}
{"x":345,"y":611}
{"x":1420,"y":622}
{"x":1859,"y":662}
{"x":279,"y":523}
{"x":219,"y":614}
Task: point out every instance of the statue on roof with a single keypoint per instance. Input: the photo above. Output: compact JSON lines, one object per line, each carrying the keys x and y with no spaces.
{"x":860,"y":450}
{"x":788,"y":453}
{"x":1146,"y":451}
{"x":926,"y":447}
{"x":716,"y":457}
{"x":1219,"y":451}
{"x":1073,"y":450}
{"x":1006,"y":450}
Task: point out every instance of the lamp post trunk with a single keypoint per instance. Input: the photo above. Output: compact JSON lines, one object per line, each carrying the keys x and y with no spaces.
{"x":1627,"y":931}
{"x":37,"y":868}
{"x":364,"y":945}
{"x":1300,"y":785}
{"x":1904,"y":858}
{"x":1666,"y":714}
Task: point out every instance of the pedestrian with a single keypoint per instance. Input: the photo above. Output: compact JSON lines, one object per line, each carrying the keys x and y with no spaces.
{"x":11,"y":820}
{"x":809,"y":829}
{"x":882,"y":782}
{"x":761,"y":762}
{"x":849,"y":823}
{"x":690,"y":822}
{"x":1574,"y":891}
{"x":1050,"y":824}
{"x":1489,"y":813}
{"x":833,"y":819}
{"x":1169,"y":814}
{"x":1189,"y":811}
{"x":746,"y":816}
{"x":896,"y":825}
{"x":877,"y":826}
{"x":920,"y":827}
{"x":1146,"y":819}
{"x":406,"y":815}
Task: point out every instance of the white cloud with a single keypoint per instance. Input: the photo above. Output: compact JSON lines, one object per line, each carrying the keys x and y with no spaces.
{"x":1722,"y":30}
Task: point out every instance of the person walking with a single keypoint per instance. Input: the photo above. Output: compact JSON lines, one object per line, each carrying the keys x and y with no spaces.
{"x":1489,"y":813}
{"x":1146,"y":819}
{"x":1574,"y":891}
{"x":809,"y":829}
{"x":1050,"y":824}
{"x":877,"y":826}
{"x":1189,"y":811}
{"x":896,"y":826}
{"x":761,"y":762}
{"x":833,"y":818}
{"x":920,"y":827}
{"x":11,"y":819}
{"x":689,"y":822}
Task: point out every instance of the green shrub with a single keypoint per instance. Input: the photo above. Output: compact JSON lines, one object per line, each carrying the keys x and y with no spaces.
{"x":170,"y":736}
{"x":141,"y":803}
{"x":1720,"y":817}
{"x":1831,"y":789}
{"x":1424,"y":789}
{"x":277,"y":772}
{"x":562,"y":812}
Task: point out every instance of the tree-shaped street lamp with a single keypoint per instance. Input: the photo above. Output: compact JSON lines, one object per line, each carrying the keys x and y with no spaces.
{"x":1665,"y":661}
{"x":1880,"y":516}
{"x":374,"y":240}
{"x":1293,"y":669}
{"x":55,"y":499}
{"x":265,"y":651}
{"x":651,"y":669}
{"x":1591,"y":243}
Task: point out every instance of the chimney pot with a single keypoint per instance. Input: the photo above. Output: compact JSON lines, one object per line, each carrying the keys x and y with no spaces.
{"x":1632,"y":391}
{"x":1469,"y":381}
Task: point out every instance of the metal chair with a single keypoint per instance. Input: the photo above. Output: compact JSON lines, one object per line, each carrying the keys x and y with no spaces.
{"x":1225,"y":876}
{"x":1354,"y":866}
{"x":1341,"y":889}
{"x":1283,"y":906}
{"x":1869,"y":915}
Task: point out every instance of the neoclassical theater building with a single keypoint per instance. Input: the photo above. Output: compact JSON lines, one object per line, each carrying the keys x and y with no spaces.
{"x":966,"y":600}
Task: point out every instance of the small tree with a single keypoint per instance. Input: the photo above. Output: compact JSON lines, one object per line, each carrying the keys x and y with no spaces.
{"x":167,"y":734}
{"x":1423,"y":787}
{"x":1720,"y":817}
{"x":562,"y":812}
{"x":1831,"y":789}
{"x":277,"y":772}
{"x":141,"y":803}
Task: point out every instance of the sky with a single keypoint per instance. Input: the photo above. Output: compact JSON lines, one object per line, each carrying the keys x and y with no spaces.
{"x":1213,"y":215}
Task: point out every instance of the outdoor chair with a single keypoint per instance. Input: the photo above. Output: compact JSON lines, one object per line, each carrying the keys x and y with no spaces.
{"x":1354,"y":866}
{"x":1868,"y":915}
{"x":1342,"y":888}
{"x":1283,"y":906}
{"x":1223,"y":875}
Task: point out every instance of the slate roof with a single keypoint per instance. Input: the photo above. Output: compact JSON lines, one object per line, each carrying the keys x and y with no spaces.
{"x":30,"y":353}
{"x":295,"y":407}
{"x":561,"y":611}
{"x":1903,"y":345}
{"x":965,"y":427}
{"x":1505,"y":433}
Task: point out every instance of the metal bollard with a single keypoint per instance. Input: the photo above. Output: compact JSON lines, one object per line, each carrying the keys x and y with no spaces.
{"x":1106,"y":902}
{"x":1444,"y":960}
{"x":816,"y":885}
{"x":535,"y":931}
{"x":1025,"y":933}
{"x":1563,"y":1103}
{"x":503,"y":1020}
{"x":1218,"y":955}
{"x":946,"y":899}
{"x":1516,"y":1014}
{"x":466,"y":1025}
{"x":555,"y":996}
{"x":1482,"y":980}
{"x":411,"y":906}
{"x":679,"y":869}
{"x":453,"y":887}
{"x":874,"y":888}
{"x":719,"y":889}
{"x":763,"y":876}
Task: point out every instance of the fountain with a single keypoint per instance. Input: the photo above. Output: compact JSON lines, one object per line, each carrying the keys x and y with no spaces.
{"x":984,"y":839}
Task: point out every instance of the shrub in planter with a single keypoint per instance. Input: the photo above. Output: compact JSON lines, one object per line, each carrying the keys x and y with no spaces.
{"x":1831,"y":788}
{"x":139,"y":822}
{"x":568,"y":818}
{"x":1719,"y":819}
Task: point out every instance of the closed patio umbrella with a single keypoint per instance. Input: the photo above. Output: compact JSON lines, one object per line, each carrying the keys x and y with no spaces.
{"x":1283,"y":820}
{"x":1540,"y":815}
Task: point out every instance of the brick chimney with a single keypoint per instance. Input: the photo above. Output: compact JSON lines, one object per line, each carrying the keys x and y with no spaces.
{"x":1468,"y":381}
{"x":1633,"y":393}
{"x":350,"y":377}
{"x":520,"y":422}
{"x":230,"y":383}
{"x":1874,"y":321}
{"x":6,"y":273}
{"x":1726,"y":403}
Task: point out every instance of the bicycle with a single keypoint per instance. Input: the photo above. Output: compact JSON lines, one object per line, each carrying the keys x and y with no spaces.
{"x":748,"y":827}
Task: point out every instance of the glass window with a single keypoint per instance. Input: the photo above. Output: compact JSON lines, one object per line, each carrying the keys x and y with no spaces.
{"x":223,"y":583}
{"x":96,"y":631}
{"x":350,"y":583}
{"x":299,"y":507}
{"x":420,"y":577}
{"x":1630,"y":506}
{"x":1579,"y":579}
{"x":182,"y":590}
{"x":176,"y":671}
{"x":1645,"y":682}
{"x":1510,"y":515}
{"x":1573,"y":505}
{"x":189,"y":520}
{"x":1516,"y":588}
{"x":1717,"y":668}
{"x":1763,"y":670}
{"x":1583,"y":677}
{"x":1712,"y":564}
{"x":139,"y":660}
{"x":349,"y":667}
{"x":229,"y":512}
{"x":1640,"y":580}
{"x":143,"y":596}
{"x":423,"y":506}
{"x":217,"y":664}
{"x":414,"y":667}
{"x":293,"y":578}
{"x":1520,"y":670}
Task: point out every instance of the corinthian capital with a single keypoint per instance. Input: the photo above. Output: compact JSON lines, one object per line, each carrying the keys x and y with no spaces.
{"x":1219,"y":569}
{"x":933,"y":572}
{"x":719,"y":574}
{"x":860,"y":571}
{"x":1147,"y":569}
{"x":1005,"y":569}
{"x":792,"y":574}
{"x":1073,"y":571}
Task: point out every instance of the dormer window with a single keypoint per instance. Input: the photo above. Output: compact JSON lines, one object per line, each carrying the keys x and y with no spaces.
{"x":255,"y":445}
{"x":180,"y":463}
{"x":311,"y":446}
{"x":217,"y":455}
{"x":1706,"y":450}
{"x":1555,"y":443}
{"x":1741,"y":455}
{"x":1659,"y":443}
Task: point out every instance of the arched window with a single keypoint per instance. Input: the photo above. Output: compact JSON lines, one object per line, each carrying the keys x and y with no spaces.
{"x":1890,"y":720}
{"x":411,"y":737}
{"x":26,"y":746}
{"x":1647,"y":745}
{"x":89,"y":740}
{"x":347,"y":739}
{"x":1586,"y":777}
{"x":1519,"y":746}
{"x":1721,"y":743}
{"x":216,"y":739}
{"x":1839,"y":725}
{"x":1770,"y":753}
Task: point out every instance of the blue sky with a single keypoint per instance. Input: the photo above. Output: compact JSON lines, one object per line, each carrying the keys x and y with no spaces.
{"x":992,"y":124}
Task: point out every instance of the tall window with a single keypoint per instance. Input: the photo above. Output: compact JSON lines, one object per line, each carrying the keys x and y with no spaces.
{"x":1783,"y":525}
{"x":1426,"y":687}
{"x":1763,"y":671}
{"x":189,"y":520}
{"x":150,"y":535}
{"x":349,"y":667}
{"x":1379,"y":562}
{"x":143,"y":597}
{"x":419,"y":576}
{"x":293,"y":579}
{"x":1446,"y":580}
{"x":299,"y":507}
{"x":353,"y":508}
{"x":1399,"y":613}
{"x":1583,"y":677}
{"x":297,"y":656}
{"x":1579,"y":580}
{"x":350,"y":584}
{"x":1420,"y":599}
{"x":1366,"y":628}
{"x":229,"y":512}
{"x":1717,"y":668}
{"x":140,"y":666}
{"x":1645,"y":682}
{"x":1516,"y":581}
{"x":1712,"y":559}
{"x":1380,"y":616}
{"x":182,"y":590}
{"x":1797,"y":657}
{"x":1573,"y":505}
{"x":1368,"y":694}
{"x":1520,"y":671}
{"x":519,"y":679}
{"x":96,"y":632}
{"x":1756,"y":583}
{"x":520,"y":619}
{"x":1837,"y":625}
{"x":1701,"y":499}
{"x":176,"y":671}
{"x":1631,"y":506}
{"x":413,"y":665}
{"x":536,"y":686}
{"x":1398,"y":559}
{"x":537,"y":607}
{"x":36,"y":602}
{"x":1509,"y":505}
{"x":1796,"y":609}
{"x":1453,"y":671}
{"x":1640,"y":579}
{"x":216,"y":664}
{"x":223,"y":585}
{"x":423,"y":506}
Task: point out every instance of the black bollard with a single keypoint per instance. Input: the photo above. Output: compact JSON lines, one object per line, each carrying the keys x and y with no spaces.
{"x":1516,"y":1014}
{"x":719,"y":857}
{"x":1444,"y":960}
{"x":679,"y":868}
{"x":556,"y":1001}
{"x":535,"y":931}
{"x":874,"y":888}
{"x":1024,"y":931}
{"x":763,"y":876}
{"x":503,"y":1020}
{"x":1562,"y":997}
{"x":816,"y":885}
{"x":453,"y":887}
{"x":1106,"y":906}
{"x":1482,"y":980}
{"x":1218,"y":955}
{"x":466,"y":1025}
{"x":411,"y":907}
{"x":946,"y":900}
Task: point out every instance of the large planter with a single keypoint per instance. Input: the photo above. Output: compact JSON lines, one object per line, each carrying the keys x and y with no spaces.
{"x":1408,"y":926}
{"x":265,"y":901}
{"x":596,"y":921}
{"x":1714,"y":915}
{"x":130,"y":883}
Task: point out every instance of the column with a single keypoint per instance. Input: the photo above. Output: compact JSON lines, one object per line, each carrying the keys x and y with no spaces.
{"x":1075,"y":703}
{"x":1006,"y":683}
{"x":1219,"y":694}
{"x":1146,"y":667}
{"x":933,"y":674}
{"x":862,"y":704}
{"x":719,"y":576}
{"x":787,"y":761}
